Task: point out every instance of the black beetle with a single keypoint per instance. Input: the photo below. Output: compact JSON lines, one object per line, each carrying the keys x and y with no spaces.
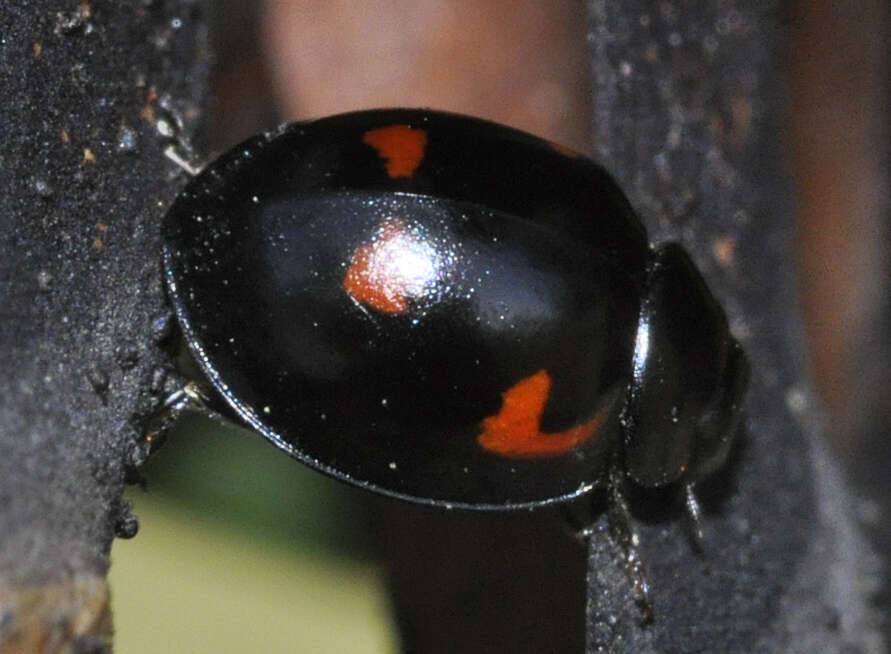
{"x":450,"y":311}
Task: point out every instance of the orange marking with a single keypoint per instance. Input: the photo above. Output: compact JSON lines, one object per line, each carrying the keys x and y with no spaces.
{"x":401,"y":147}
{"x":514,"y":431}
{"x":395,"y":266}
{"x":565,"y":150}
{"x":363,"y":283}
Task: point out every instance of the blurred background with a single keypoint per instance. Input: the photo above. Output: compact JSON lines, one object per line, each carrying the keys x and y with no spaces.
{"x":240,"y":548}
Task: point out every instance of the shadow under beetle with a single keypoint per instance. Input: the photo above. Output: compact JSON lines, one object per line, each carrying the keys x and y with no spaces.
{"x":453,"y":312}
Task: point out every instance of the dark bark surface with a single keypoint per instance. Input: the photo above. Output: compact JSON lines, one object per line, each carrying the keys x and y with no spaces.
{"x":87,"y":93}
{"x":689,"y":103}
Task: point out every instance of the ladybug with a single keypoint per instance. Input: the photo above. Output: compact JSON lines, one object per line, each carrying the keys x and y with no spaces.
{"x":449,"y":311}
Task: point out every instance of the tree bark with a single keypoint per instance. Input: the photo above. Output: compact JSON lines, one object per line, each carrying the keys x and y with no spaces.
{"x":689,"y":111}
{"x":92,"y":96}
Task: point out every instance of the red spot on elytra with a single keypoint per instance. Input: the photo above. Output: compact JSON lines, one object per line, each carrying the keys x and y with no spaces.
{"x":395,"y":266}
{"x":363,"y":282}
{"x":515,"y":430}
{"x":401,"y":147}
{"x":565,"y":150}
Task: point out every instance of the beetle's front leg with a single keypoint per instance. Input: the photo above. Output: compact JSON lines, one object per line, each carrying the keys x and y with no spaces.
{"x":190,"y":397}
{"x":624,"y":535}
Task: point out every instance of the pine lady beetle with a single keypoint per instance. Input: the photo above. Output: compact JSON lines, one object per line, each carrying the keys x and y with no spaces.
{"x":450,"y":311}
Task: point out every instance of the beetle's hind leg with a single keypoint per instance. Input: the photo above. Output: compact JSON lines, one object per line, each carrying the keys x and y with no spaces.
{"x":694,"y":516}
{"x":624,"y":535}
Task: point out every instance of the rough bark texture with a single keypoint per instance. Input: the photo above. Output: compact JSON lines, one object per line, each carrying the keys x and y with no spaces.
{"x":689,"y":108}
{"x":91,"y":97}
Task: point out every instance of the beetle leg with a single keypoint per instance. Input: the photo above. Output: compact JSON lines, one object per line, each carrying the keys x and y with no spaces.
{"x":190,"y":397}
{"x":173,"y":155}
{"x":579,"y":521}
{"x":624,"y":535}
{"x":694,"y":513}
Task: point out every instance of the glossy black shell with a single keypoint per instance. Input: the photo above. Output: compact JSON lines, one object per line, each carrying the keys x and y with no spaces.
{"x":439,"y":308}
